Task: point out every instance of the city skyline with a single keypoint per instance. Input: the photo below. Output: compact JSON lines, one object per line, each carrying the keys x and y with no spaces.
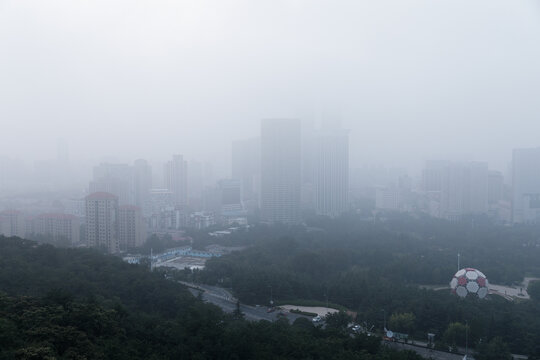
{"x":406,"y":79}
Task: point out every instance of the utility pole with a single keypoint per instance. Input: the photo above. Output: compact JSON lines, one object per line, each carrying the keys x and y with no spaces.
{"x":384,"y":319}
{"x":458,"y":266}
{"x":466,"y":339}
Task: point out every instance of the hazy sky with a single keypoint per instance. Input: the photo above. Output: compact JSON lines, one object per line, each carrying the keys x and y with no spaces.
{"x":147,"y":78}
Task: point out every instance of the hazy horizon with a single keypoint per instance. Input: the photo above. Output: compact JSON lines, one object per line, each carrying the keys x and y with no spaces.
{"x":413,"y":80}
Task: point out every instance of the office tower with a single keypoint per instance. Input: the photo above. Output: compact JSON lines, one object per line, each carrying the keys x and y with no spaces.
{"x":196,"y":181}
{"x":332,"y":172}
{"x":102,"y":221}
{"x":309,"y":152}
{"x":142,"y":183}
{"x":476,"y":190}
{"x":116,"y":179}
{"x":60,"y":227}
{"x":176,"y":179}
{"x":280,"y":170}
{"x":12,"y":223}
{"x":432,"y":175}
{"x":246,"y":167}
{"x":495,"y":187}
{"x":231,"y":208}
{"x":131,"y":227}
{"x":526,"y":185}
{"x":463,"y":187}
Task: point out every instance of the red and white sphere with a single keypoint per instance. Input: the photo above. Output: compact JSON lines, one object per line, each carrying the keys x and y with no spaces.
{"x":470,"y":281}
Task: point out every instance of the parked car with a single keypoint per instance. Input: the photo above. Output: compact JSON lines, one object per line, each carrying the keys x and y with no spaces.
{"x":316,"y":319}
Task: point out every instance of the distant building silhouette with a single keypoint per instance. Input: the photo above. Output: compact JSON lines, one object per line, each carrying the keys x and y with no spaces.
{"x":176,"y":179}
{"x":332,"y":172}
{"x":142,"y":181}
{"x":526,"y":185}
{"x":458,"y":188}
{"x":280,"y":170}
{"x":246,"y":167}
{"x":116,"y":179}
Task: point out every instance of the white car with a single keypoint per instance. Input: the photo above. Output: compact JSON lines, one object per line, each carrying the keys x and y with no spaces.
{"x":317,"y":319}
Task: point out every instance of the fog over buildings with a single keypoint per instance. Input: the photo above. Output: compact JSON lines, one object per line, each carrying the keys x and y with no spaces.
{"x":205,"y":112}
{"x":143,"y":79}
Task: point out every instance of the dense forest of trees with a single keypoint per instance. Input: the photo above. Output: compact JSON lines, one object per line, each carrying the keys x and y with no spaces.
{"x":389,"y":265}
{"x":80,"y":304}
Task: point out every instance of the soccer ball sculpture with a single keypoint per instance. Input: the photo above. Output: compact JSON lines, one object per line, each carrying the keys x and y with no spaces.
{"x":469,"y":281}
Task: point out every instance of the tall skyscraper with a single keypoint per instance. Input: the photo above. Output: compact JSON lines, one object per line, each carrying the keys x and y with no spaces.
{"x":131,"y":227}
{"x":142,"y":180}
{"x":246,"y":167}
{"x":332,"y":172}
{"x":176,"y":179}
{"x":495,"y":187}
{"x":102,"y":221}
{"x":526,"y":185}
{"x":280,"y":170}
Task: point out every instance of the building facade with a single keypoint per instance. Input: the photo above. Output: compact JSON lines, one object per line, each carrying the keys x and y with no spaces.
{"x":526,"y":185}
{"x":332,"y":172}
{"x":60,"y":227}
{"x":175,"y":175}
{"x":102,"y":221}
{"x":280,"y":170}
{"x":131,"y":227}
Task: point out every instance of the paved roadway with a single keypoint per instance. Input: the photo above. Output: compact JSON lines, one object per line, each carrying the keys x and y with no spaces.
{"x":224,"y":299}
{"x":426,"y":352}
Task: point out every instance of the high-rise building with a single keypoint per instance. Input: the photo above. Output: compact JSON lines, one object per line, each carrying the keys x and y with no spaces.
{"x":280,"y":170}
{"x":175,"y":175}
{"x":526,"y":185}
{"x":102,"y":221}
{"x":231,"y":208}
{"x":131,"y":227}
{"x":495,"y":187}
{"x":332,"y":172}
{"x":246,"y":167}
{"x":432,"y":175}
{"x":463,"y":187}
{"x":142,"y":180}
{"x":12,"y":223}
{"x":61,"y":227}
